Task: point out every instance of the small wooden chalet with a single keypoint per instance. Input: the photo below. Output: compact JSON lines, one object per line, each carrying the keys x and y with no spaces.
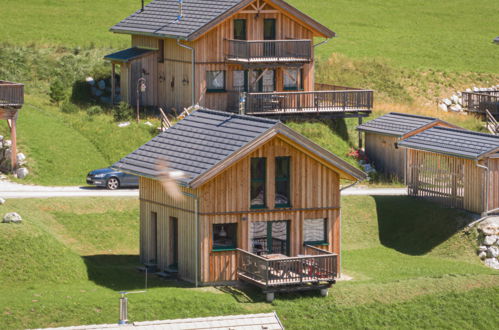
{"x":11,"y":101}
{"x":244,"y":56}
{"x":262,"y":203}
{"x":383,"y":134}
{"x":456,"y":167}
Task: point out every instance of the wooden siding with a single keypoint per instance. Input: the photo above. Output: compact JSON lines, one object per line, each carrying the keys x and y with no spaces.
{"x":387,"y":159}
{"x":493,"y":164}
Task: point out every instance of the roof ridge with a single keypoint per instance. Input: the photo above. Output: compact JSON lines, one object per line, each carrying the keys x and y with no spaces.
{"x":466,"y":131}
{"x":411,"y":115}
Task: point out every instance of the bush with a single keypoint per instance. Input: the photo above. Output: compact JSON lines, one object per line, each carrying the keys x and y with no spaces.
{"x":122,"y":112}
{"x":57,"y":92}
{"x":68,"y":107}
{"x":95,"y":110}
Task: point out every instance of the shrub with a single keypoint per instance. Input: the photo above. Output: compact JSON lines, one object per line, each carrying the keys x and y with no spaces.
{"x":57,"y":92}
{"x":68,"y":107}
{"x":122,"y":112}
{"x":95,"y":110}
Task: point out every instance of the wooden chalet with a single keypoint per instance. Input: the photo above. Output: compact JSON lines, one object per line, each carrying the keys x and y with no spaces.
{"x":252,"y":57}
{"x":456,"y":167}
{"x":11,"y":101}
{"x":382,"y":135}
{"x":479,"y":102}
{"x":262,"y":203}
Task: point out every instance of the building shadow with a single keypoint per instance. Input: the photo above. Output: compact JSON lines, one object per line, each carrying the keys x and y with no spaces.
{"x":414,"y":226}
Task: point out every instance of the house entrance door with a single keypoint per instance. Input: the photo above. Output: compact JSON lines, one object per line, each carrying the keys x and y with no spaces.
{"x":271,"y":237}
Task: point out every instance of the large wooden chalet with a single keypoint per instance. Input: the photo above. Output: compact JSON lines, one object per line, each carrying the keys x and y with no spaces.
{"x":246,"y":56}
{"x":262,"y":203}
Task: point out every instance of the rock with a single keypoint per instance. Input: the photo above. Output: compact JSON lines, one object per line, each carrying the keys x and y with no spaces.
{"x":447,"y":102}
{"x":443,"y":107}
{"x":22,"y":172}
{"x":148,"y":123}
{"x":492,"y":263}
{"x":456,"y":107}
{"x":460,"y":101}
{"x":493,"y":252}
{"x":482,"y":255}
{"x":7,"y":143}
{"x":454,"y":98}
{"x":459,"y":94}
{"x":476,"y":89}
{"x":2,"y":201}
{"x":90,"y":81}
{"x":5,"y":165}
{"x":125,"y":124}
{"x":7,"y":153}
{"x":1,"y":137}
{"x":101,"y":84}
{"x":12,"y":217}
{"x":482,"y":248}
{"x":490,"y":240}
{"x":489,"y":226}
{"x":468,"y":90}
{"x":21,"y":157}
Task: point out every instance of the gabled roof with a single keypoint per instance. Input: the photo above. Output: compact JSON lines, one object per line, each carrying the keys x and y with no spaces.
{"x":160,"y":18}
{"x":453,"y":142}
{"x":129,"y":54}
{"x":206,"y":142}
{"x":399,"y":124}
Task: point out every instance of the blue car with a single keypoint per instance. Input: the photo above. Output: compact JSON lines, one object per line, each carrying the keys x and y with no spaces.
{"x":111,"y":179}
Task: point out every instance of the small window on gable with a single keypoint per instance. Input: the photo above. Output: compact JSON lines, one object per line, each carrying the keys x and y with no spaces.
{"x":315,"y":231}
{"x":258,"y":176}
{"x":282,"y":182}
{"x":224,"y":236}
{"x":292,"y":79}
{"x":240,"y":29}
{"x":215,"y":81}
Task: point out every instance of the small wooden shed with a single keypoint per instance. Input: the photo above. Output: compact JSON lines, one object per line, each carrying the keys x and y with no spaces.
{"x":456,"y":167}
{"x":382,"y":135}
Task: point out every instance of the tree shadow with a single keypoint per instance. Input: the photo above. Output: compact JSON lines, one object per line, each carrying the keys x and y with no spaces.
{"x":415,"y":226}
{"x":340,"y":127}
{"x":120,"y":273}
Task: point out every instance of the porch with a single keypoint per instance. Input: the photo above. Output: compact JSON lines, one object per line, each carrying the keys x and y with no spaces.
{"x":314,"y":270}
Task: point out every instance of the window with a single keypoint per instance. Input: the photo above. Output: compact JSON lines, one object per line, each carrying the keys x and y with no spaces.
{"x":240,"y":29}
{"x":292,"y":79}
{"x":224,"y":236}
{"x":315,"y":231}
{"x":161,"y":52}
{"x":215,"y":81}
{"x":240,"y":80}
{"x":258,"y":176}
{"x":282,"y":182}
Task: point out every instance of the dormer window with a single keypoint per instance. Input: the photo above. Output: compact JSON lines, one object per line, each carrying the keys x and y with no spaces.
{"x":258,"y":181}
{"x":282,"y":182}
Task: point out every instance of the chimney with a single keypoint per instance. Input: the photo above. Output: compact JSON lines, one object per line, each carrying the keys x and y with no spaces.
{"x":180,"y":10}
{"x":142,"y":9}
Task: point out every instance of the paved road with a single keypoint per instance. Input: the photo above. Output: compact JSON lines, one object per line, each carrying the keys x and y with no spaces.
{"x":16,"y":190}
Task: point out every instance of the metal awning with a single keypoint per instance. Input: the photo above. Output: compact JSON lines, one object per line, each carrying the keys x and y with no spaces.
{"x":128,"y":55}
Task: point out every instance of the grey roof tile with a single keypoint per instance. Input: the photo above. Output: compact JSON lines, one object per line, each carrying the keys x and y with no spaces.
{"x":397,"y":124}
{"x":454,"y":142}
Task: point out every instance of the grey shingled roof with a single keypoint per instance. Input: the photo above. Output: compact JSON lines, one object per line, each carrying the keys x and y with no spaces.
{"x":197,"y":143}
{"x":160,"y":17}
{"x":128,"y":54}
{"x":396,"y":124}
{"x":454,"y":142}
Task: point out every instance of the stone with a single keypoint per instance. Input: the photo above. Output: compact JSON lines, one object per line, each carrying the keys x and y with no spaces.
{"x":476,"y":89}
{"x":21,"y":157}
{"x":492,"y":263}
{"x":12,"y":217}
{"x":447,"y":102}
{"x":482,"y":248}
{"x":443,"y":107}
{"x":482,"y":255}
{"x":7,"y":153}
{"x":101,"y":84}
{"x":490,"y":240}
{"x":2,"y":201}
{"x":456,"y":107}
{"x":90,"y":81}
{"x":468,"y":90}
{"x":459,"y":94}
{"x":6,"y":165}
{"x":22,"y":172}
{"x":7,"y":143}
{"x":460,"y":101}
{"x":489,"y":226}
{"x":493,"y":252}
{"x":454,"y":98}
{"x":1,"y":137}
{"x":125,"y":124}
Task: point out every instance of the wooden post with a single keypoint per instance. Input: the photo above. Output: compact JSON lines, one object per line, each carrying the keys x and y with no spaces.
{"x":360,"y":133}
{"x":13,"y":137}
{"x":113,"y":83}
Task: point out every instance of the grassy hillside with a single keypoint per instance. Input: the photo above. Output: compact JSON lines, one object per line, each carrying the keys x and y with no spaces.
{"x":411,"y":263}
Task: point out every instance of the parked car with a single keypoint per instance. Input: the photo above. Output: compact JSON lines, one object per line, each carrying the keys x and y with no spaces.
{"x":111,"y":179}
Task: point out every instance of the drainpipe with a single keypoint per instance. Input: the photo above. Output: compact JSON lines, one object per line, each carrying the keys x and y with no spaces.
{"x":196,"y":234}
{"x":487,"y":179}
{"x":193,"y":78}
{"x":350,"y":185}
{"x":322,"y":42}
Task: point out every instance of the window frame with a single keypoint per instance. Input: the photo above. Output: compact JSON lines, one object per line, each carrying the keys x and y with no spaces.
{"x":325,"y":241}
{"x":245,"y":28}
{"x":298,"y":83}
{"x":233,"y":247}
{"x":262,"y":180}
{"x":216,"y":90}
{"x":281,"y":179}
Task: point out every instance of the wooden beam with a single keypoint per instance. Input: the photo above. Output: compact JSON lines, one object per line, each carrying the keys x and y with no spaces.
{"x":113,"y":84}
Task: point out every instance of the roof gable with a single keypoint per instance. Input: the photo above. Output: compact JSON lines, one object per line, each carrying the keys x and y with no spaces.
{"x":453,"y":142}
{"x":160,"y":18}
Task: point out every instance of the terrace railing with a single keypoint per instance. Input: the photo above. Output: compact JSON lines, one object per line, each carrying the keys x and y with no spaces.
{"x":479,"y":102}
{"x":11,"y":94}
{"x":261,"y":51}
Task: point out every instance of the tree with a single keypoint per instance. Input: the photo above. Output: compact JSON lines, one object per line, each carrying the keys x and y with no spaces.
{"x":57,"y":93}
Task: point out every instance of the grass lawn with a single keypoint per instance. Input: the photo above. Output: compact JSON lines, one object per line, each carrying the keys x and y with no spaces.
{"x":65,"y":264}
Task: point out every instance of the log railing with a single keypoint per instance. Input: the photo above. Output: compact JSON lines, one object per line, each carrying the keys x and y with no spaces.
{"x":492,"y":123}
{"x":266,"y":272}
{"x":11,"y":94}
{"x":480,"y":102}
{"x":269,"y":50}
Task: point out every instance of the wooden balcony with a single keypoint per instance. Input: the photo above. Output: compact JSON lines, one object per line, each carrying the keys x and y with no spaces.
{"x":268,"y":51}
{"x":479,"y":102}
{"x":315,"y":270}
{"x":11,"y":95}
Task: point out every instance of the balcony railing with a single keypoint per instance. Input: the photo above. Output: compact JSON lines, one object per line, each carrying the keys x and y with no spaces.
{"x":481,"y":101}
{"x":265,"y":51}
{"x":316,"y":266}
{"x":11,"y":94}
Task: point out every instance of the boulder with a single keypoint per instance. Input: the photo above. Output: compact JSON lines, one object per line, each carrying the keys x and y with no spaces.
{"x":7,"y":153}
{"x":456,"y":107}
{"x":460,"y":101}
{"x":489,"y":226}
{"x":459,"y":94}
{"x":454,"y":98}
{"x":2,"y":201}
{"x":482,"y":255}
{"x":101,"y":84}
{"x":443,"y":107}
{"x":22,"y":172}
{"x":5,"y":165}
{"x":12,"y":217}
{"x":490,"y":240}
{"x":476,"y":89}
{"x":468,"y":90}
{"x":7,"y":143}
{"x":1,"y":137}
{"x":492,"y":263}
{"x":482,"y":248}
{"x":447,"y":102}
{"x":21,"y":157}
{"x":493,"y":252}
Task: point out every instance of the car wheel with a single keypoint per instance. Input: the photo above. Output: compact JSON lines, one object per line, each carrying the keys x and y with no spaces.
{"x":112,"y":183}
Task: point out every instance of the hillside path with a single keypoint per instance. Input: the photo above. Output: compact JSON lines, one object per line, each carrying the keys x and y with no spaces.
{"x":15,"y":190}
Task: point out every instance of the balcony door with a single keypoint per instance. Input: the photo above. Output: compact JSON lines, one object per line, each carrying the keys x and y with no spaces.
{"x":262,"y":82}
{"x":271,"y":237}
{"x":269,"y":33}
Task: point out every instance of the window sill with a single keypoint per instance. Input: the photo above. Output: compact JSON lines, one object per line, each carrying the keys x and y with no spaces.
{"x":224,"y":250}
{"x":282,"y":206}
{"x":255,"y":207}
{"x":316,"y":243}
